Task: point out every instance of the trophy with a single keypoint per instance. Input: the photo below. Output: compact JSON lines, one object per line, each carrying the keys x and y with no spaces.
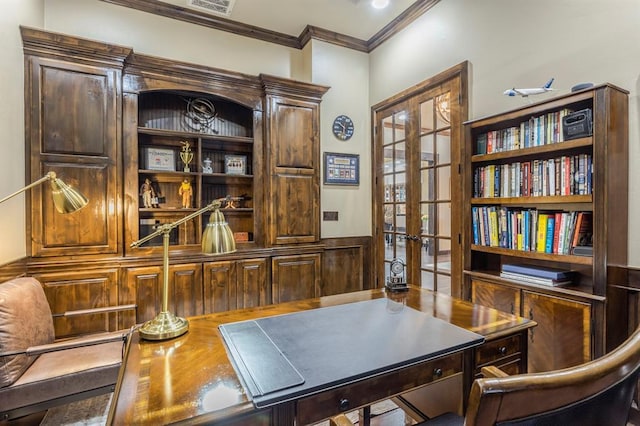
{"x":186,"y":155}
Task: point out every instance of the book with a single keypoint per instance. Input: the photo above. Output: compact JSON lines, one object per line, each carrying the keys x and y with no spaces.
{"x":583,"y":230}
{"x":535,"y":280}
{"x":541,"y":232}
{"x":538,"y":271}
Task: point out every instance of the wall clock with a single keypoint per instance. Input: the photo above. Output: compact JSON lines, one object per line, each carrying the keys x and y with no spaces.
{"x":343,"y":127}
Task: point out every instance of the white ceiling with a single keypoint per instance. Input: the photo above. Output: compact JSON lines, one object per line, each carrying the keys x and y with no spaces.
{"x":356,"y":18}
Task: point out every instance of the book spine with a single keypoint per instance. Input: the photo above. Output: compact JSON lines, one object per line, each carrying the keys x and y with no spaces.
{"x":548,"y":246}
{"x":541,"y":232}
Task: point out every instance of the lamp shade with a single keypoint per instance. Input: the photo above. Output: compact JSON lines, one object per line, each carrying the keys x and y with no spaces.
{"x":65,"y":198}
{"x":217,"y":237}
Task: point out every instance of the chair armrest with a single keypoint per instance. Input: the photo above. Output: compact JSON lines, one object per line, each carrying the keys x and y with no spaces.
{"x":340,"y":420}
{"x":94,"y":339}
{"x":492,"y":371}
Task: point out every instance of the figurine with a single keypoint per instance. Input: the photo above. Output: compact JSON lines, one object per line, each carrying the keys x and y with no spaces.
{"x":206,"y":166}
{"x":186,"y":192}
{"x":147,"y":193}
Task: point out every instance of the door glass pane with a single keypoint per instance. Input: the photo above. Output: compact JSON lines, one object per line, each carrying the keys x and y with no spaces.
{"x":399,"y":120}
{"x":388,"y":188}
{"x":400,"y":154}
{"x":442,"y":110}
{"x":426,"y":151}
{"x":400,"y":190}
{"x":444,"y":183}
{"x":387,"y":130}
{"x":425,"y":214}
{"x":400,"y":246}
{"x":427,"y":253}
{"x":426,"y":191}
{"x":427,"y":280}
{"x":444,"y":284}
{"x":444,"y":219}
{"x":387,"y":153}
{"x":443,"y":147}
{"x":426,"y":116}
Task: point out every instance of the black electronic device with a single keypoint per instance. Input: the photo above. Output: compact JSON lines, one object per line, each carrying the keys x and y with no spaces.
{"x":578,"y":124}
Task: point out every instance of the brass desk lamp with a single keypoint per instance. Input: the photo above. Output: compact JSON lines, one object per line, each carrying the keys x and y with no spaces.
{"x":65,"y":198}
{"x":217,"y":238}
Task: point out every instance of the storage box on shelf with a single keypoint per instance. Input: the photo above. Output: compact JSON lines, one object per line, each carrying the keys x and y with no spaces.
{"x":547,"y":187}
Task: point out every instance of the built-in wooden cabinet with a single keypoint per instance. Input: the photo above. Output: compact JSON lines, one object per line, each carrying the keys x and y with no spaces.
{"x":106,"y":120}
{"x":525,"y":164}
{"x":72,"y":115}
{"x":293,"y":161}
{"x":295,"y":277}
{"x":563,"y":336}
{"x":142,"y":286}
{"x":235,"y":284}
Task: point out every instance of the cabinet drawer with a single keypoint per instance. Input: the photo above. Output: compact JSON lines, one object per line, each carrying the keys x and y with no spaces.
{"x":491,"y":352}
{"x":352,"y":396}
{"x":511,"y":366}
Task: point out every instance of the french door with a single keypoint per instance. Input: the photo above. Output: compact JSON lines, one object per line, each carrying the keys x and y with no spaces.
{"x":417,"y":182}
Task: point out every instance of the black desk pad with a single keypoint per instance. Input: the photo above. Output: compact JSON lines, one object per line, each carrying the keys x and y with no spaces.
{"x":288,"y":356}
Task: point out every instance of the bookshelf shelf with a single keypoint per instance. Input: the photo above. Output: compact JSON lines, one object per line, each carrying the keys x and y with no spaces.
{"x":555,"y":199}
{"x":525,"y":163}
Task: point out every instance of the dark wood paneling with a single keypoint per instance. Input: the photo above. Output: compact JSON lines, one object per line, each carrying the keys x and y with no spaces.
{"x":295,"y":277}
{"x":252,"y":283}
{"x":502,"y":298}
{"x":345,"y":269}
{"x":562,"y":337}
{"x":72,"y":112}
{"x":76,"y":290}
{"x":219,"y":286}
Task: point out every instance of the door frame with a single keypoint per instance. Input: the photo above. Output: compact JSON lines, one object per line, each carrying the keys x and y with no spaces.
{"x":457,"y":76}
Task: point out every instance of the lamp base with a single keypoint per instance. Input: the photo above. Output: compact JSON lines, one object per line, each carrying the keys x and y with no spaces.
{"x":164,"y":326}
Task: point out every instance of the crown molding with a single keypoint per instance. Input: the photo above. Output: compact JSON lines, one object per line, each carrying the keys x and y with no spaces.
{"x":310,"y":32}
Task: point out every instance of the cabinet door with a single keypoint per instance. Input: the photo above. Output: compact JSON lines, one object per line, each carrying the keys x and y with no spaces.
{"x":496,"y":296}
{"x":295,"y":277}
{"x":252,"y":285}
{"x":143,"y":286}
{"x":294,"y":157}
{"x":73,"y":113}
{"x":219,"y":286}
{"x":562,"y":337}
{"x":70,"y":291}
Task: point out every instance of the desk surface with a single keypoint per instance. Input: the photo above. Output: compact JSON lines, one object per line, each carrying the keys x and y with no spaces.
{"x":191,"y":377}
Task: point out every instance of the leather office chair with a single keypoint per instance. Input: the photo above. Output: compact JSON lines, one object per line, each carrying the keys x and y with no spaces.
{"x":596,"y":393}
{"x":37,"y":373}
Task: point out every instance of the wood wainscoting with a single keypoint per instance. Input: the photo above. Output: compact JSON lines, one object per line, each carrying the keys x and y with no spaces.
{"x":116,"y":293}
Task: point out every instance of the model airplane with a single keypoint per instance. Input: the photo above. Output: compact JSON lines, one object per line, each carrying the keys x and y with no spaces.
{"x":533,"y":91}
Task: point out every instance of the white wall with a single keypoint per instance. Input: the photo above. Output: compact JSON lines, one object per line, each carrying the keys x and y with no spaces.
{"x":523,"y":44}
{"x":12,"y":174}
{"x":346,"y":71}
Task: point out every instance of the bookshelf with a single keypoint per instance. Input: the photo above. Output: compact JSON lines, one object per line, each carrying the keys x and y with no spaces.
{"x":215,"y":137}
{"x":531,"y":181}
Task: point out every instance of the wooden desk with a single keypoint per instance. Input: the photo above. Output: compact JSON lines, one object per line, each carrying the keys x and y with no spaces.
{"x":190,"y":379}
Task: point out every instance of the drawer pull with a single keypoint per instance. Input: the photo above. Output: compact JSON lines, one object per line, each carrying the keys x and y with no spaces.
{"x":344,"y":404}
{"x":502,"y":350}
{"x":437,"y":372}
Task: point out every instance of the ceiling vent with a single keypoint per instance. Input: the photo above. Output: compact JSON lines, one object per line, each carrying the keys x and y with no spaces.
{"x":220,"y":7}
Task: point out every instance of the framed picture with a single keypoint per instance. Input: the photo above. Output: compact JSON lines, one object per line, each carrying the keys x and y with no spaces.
{"x":235,"y":164}
{"x":160,"y":159}
{"x":341,"y":169}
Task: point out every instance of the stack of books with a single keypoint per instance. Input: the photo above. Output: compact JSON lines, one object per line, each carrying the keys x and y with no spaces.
{"x":537,"y":275}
